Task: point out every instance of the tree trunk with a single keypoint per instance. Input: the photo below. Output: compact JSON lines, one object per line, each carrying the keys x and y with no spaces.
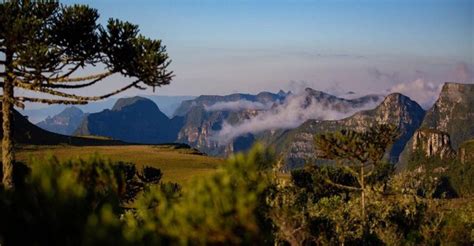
{"x":363,"y":192}
{"x":364,"y":218}
{"x":8,"y":155}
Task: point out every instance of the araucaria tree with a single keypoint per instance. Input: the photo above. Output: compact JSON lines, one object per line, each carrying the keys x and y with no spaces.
{"x":359,"y":153}
{"x":46,"y":48}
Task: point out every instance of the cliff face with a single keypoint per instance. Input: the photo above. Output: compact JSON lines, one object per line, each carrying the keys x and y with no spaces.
{"x":297,"y":145}
{"x":453,"y":113}
{"x":208,"y":100}
{"x":202,"y":120}
{"x":200,"y":125}
{"x":433,"y":143}
{"x":448,"y":124}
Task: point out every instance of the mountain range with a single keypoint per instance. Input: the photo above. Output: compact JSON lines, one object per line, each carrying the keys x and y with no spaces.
{"x":167,"y":104}
{"x":288,"y":122}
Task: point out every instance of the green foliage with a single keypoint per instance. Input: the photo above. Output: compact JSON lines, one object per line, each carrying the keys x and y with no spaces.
{"x":342,"y":204}
{"x":98,"y":202}
{"x":396,"y":213}
{"x":225,"y":208}
{"x":457,"y":176}
{"x":68,"y":203}
{"x":362,"y":147}
{"x":39,"y":34}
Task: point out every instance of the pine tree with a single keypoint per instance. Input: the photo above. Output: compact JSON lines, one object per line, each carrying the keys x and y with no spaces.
{"x":359,"y":153}
{"x":46,"y":47}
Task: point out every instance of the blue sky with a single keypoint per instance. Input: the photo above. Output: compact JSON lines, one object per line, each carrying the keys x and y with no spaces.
{"x":224,"y":46}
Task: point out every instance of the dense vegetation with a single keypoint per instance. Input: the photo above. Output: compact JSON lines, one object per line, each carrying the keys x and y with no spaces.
{"x":455,"y":176}
{"x":246,"y":201}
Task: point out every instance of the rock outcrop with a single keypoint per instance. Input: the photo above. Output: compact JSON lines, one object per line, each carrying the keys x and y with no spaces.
{"x":433,"y":143}
{"x":453,"y":113}
{"x":451,"y":117}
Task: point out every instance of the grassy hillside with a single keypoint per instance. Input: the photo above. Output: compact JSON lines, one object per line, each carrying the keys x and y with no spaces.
{"x":178,"y":164}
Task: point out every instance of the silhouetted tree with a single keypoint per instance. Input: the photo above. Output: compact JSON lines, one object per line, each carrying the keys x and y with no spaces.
{"x":43,"y":46}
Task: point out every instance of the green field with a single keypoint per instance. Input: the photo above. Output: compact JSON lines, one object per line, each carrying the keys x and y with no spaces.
{"x":177,"y":164}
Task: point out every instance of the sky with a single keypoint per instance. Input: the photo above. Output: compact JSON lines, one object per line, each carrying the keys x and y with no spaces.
{"x":224,"y":46}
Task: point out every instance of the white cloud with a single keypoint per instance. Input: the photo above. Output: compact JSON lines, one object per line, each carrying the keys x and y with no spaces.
{"x":423,"y":92}
{"x":294,"y":111}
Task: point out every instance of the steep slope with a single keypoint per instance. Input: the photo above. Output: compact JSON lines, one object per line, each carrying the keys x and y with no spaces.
{"x":200,"y":125}
{"x":205,"y":120}
{"x":135,"y":120}
{"x":453,"y":113}
{"x":451,"y":116}
{"x":65,"y":122}
{"x":208,"y":100}
{"x":466,"y":152}
{"x":297,"y":147}
{"x":201,"y":121}
{"x":27,"y":133}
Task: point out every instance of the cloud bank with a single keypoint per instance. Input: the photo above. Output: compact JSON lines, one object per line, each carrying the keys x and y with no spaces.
{"x":294,"y":111}
{"x":420,"y":90}
{"x":237,"y":106}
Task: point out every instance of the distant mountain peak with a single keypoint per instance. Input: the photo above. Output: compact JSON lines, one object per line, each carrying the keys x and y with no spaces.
{"x":127,"y":101}
{"x":397,"y":98}
{"x":73,"y":110}
{"x":282,"y":93}
{"x":65,"y":122}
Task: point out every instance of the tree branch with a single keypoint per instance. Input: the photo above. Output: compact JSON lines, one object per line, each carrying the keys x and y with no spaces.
{"x":65,"y":86}
{"x":80,"y":79}
{"x":49,"y":101}
{"x":329,"y":181}
{"x":38,"y":88}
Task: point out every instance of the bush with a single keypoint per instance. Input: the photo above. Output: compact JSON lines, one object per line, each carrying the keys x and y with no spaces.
{"x":226,"y":208}
{"x":68,"y":203}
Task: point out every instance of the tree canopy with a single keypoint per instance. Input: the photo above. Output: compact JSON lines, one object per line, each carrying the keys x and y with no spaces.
{"x":47,"y":47}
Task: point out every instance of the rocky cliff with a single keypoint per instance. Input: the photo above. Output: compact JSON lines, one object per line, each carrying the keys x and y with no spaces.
{"x":297,"y":147}
{"x":453,"y":113}
{"x":206,"y":115}
{"x":200,"y":125}
{"x":433,"y":143}
{"x":208,"y":100}
{"x":448,"y":124}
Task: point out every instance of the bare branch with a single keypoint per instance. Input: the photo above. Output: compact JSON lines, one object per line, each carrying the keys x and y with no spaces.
{"x":329,"y":181}
{"x":75,"y":86}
